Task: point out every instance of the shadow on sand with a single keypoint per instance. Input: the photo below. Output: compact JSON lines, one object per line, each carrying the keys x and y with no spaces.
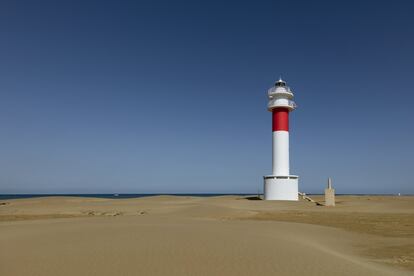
{"x":253,"y":198}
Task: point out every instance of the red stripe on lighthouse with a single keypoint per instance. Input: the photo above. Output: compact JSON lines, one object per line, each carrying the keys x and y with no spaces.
{"x":280,"y":119}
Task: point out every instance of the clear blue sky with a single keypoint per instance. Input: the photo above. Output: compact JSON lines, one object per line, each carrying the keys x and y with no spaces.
{"x":170,"y":96}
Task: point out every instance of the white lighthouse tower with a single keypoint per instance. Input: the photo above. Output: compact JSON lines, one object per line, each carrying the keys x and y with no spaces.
{"x":280,"y":185}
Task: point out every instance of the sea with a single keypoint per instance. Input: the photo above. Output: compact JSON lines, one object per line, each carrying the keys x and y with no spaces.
{"x":114,"y":196}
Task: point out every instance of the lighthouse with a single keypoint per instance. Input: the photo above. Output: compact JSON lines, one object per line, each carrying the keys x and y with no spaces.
{"x":280,"y":185}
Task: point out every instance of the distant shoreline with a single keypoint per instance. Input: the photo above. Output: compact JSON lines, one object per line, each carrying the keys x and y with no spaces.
{"x":126,"y":195}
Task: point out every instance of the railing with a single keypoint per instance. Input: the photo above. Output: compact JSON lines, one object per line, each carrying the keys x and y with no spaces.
{"x":286,"y":90}
{"x":281,"y":103}
{"x":292,"y":104}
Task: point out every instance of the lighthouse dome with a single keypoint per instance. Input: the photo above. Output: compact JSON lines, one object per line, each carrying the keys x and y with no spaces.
{"x":280,"y":89}
{"x":280,"y":83}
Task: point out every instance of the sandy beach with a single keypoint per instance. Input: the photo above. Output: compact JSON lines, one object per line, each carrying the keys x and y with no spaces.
{"x":225,"y":235}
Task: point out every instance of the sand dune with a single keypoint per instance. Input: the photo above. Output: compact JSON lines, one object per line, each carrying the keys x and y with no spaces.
{"x":228,"y":235}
